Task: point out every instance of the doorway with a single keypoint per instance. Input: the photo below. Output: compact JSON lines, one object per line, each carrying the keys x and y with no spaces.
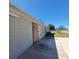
{"x":34,"y":32}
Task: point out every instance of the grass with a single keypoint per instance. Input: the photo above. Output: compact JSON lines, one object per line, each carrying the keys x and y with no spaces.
{"x":59,"y":33}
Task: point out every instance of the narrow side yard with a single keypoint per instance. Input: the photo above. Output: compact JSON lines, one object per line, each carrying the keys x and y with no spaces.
{"x":46,"y":48}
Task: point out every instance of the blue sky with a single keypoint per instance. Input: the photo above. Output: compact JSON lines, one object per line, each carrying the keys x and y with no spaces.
{"x":54,"y":12}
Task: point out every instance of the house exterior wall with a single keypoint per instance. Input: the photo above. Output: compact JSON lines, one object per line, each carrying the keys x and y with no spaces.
{"x":41,"y":31}
{"x":20,"y":31}
{"x":20,"y":36}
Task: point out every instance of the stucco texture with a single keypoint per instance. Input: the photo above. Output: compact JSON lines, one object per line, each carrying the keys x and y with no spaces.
{"x":20,"y":37}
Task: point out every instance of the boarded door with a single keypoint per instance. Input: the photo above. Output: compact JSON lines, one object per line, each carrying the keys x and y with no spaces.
{"x":35,"y":32}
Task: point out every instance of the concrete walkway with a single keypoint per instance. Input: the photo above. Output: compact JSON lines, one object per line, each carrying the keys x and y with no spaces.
{"x":64,"y":43}
{"x":46,"y":48}
{"x":62,"y":47}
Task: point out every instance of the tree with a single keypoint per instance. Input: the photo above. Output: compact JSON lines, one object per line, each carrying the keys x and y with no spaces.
{"x":51,"y":27}
{"x":62,"y":27}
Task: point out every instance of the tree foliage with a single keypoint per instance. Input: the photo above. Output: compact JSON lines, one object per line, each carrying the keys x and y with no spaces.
{"x":62,"y":27}
{"x":51,"y":27}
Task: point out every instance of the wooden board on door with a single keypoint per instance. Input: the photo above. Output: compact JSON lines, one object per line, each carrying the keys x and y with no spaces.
{"x":34,"y":32}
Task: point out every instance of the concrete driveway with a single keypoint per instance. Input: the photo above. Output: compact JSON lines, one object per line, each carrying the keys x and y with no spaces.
{"x":46,"y":48}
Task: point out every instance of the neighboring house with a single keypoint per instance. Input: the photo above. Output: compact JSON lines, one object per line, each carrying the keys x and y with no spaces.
{"x":23,"y":31}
